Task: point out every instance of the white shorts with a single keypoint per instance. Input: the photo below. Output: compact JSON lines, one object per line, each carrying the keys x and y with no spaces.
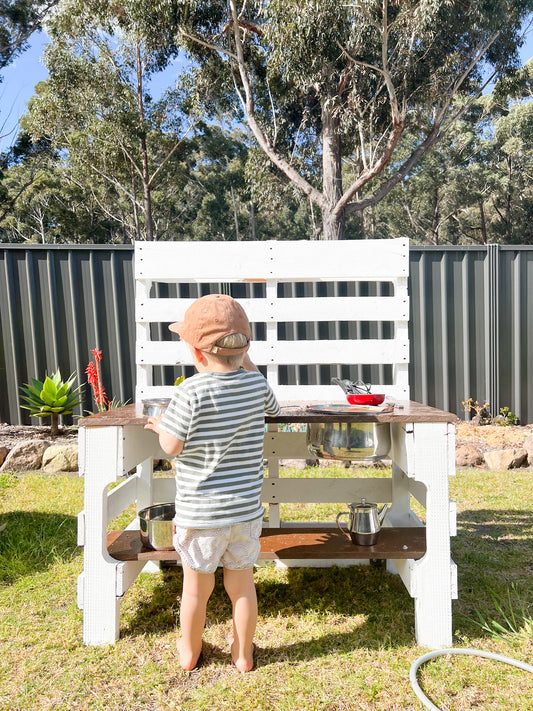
{"x":204,"y":549}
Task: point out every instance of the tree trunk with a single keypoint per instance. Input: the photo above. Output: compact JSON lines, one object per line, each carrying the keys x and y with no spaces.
{"x":147,"y":193}
{"x":332,"y":222}
{"x":483,"y":226}
{"x":435,"y":216}
{"x":251,"y":220}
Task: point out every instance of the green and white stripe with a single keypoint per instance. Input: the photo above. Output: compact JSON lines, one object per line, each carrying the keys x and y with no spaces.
{"x":220,"y":417}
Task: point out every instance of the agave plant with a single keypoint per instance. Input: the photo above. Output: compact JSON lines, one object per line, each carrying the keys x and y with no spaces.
{"x":51,"y":398}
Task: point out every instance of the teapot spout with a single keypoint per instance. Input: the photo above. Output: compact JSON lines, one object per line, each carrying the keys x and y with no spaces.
{"x":382,"y":512}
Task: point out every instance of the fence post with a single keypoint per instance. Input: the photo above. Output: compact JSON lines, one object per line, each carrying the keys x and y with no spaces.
{"x":493,"y":327}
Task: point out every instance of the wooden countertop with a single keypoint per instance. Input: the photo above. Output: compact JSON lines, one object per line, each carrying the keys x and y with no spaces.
{"x":407,"y":411}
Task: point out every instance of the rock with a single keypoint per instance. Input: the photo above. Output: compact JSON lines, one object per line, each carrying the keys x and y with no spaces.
{"x":295,"y":463}
{"x":58,"y":458}
{"x":520,"y":459}
{"x":528,"y":446}
{"x":502,"y":459}
{"x":4,"y":451}
{"x":25,"y":456}
{"x":468,"y":456}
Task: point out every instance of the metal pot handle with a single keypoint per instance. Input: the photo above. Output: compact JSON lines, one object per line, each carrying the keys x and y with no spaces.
{"x":341,"y":529}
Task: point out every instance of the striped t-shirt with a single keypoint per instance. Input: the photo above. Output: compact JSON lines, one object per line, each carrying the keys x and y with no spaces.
{"x":221,"y":419}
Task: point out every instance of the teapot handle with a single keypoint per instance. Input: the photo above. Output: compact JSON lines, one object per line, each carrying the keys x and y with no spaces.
{"x":339,"y":526}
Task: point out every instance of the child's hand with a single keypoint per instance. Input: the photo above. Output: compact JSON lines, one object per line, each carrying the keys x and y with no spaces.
{"x":153,"y":423}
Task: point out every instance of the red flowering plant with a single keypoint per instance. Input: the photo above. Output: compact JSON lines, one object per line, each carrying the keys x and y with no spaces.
{"x":94,"y":378}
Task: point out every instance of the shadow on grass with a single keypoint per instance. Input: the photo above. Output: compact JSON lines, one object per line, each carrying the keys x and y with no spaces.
{"x":382,"y":611}
{"x":493,"y":550}
{"x":32,"y":541}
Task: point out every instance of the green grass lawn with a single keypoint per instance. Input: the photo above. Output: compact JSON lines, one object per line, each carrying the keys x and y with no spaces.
{"x":327,"y":639}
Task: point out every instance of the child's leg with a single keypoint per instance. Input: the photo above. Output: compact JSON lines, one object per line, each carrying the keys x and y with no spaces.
{"x":240,"y":587}
{"x":197,"y":587}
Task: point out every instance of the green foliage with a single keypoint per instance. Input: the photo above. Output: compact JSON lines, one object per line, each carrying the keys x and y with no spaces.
{"x":350,"y":96}
{"x":515,"y":616}
{"x":51,"y":398}
{"x":507,"y":417}
{"x":19,"y":19}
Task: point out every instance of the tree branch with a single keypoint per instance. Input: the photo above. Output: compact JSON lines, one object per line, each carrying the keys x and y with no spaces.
{"x":261,"y":138}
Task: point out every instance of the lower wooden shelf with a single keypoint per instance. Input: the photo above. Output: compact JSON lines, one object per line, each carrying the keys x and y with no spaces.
{"x":294,"y":543}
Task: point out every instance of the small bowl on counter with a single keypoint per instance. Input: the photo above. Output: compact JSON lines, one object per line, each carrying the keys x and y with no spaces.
{"x":155,"y":406}
{"x":365,"y":398}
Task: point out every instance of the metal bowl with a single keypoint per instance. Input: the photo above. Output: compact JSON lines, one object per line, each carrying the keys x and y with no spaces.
{"x":155,"y":407}
{"x":349,"y":441}
{"x":156,"y":526}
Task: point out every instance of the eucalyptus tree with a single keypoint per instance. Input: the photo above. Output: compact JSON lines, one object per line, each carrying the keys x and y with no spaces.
{"x":511,"y":158}
{"x":19,"y":19}
{"x":96,"y":107}
{"x":328,"y":89}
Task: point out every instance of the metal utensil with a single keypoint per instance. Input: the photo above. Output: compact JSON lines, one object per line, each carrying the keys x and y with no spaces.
{"x":351,"y":388}
{"x":156,"y":526}
{"x":365,"y":520}
{"x":349,"y":441}
{"x":155,"y":407}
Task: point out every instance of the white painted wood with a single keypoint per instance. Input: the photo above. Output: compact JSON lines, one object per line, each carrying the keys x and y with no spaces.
{"x":422,"y":454}
{"x":144,"y":476}
{"x":418,"y":490}
{"x":273,"y":263}
{"x":337,"y":490}
{"x":102,"y":460}
{"x":81,"y":529}
{"x":349,"y":308}
{"x":120,"y":497}
{"x":309,"y":562}
{"x":402,"y":446}
{"x":127,"y":572}
{"x":453,"y":518}
{"x":286,"y":445}
{"x":286,"y":393}
{"x":284,"y":260}
{"x":143,"y":443}
{"x":367,"y":351}
{"x":432,"y":575}
{"x":202,"y":262}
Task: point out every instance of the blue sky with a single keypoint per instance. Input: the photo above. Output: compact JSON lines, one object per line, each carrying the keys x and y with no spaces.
{"x":20,"y":78}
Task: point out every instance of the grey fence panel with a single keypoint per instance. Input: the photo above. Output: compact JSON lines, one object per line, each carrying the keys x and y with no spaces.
{"x":471,"y":320}
{"x":56,"y":304}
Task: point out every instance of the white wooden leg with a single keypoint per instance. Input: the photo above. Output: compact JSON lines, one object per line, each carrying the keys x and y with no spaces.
{"x":432,"y":583}
{"x":101,"y":454}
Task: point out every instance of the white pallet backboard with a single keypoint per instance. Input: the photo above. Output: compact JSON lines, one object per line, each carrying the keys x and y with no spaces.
{"x":273,"y":263}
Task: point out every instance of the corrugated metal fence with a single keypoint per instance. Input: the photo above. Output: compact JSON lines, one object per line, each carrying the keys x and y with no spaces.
{"x":471,"y":322}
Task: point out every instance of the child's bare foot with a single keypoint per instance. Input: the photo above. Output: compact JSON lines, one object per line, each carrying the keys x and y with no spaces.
{"x":188,"y":660}
{"x":243,"y":663}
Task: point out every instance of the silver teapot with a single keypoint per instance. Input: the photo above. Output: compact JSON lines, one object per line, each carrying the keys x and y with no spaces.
{"x":364,"y":523}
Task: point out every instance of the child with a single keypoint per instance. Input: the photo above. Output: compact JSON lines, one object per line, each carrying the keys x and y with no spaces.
{"x":214,"y":426}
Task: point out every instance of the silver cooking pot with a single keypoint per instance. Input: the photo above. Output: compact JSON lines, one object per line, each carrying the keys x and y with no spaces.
{"x":156,"y":526}
{"x":349,"y":441}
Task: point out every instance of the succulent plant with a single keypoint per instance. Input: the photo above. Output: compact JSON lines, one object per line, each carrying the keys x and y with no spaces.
{"x":51,"y":398}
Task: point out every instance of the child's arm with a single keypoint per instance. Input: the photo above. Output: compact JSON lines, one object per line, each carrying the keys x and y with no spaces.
{"x":169,"y":444}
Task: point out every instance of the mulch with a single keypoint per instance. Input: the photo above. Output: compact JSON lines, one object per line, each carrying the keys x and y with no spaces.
{"x":491,"y":437}
{"x":11,"y":435}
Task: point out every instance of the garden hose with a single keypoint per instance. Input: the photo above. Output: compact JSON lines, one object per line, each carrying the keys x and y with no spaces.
{"x":470,"y":652}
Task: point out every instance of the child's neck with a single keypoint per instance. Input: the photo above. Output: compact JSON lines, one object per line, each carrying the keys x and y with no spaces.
{"x":214,"y":366}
